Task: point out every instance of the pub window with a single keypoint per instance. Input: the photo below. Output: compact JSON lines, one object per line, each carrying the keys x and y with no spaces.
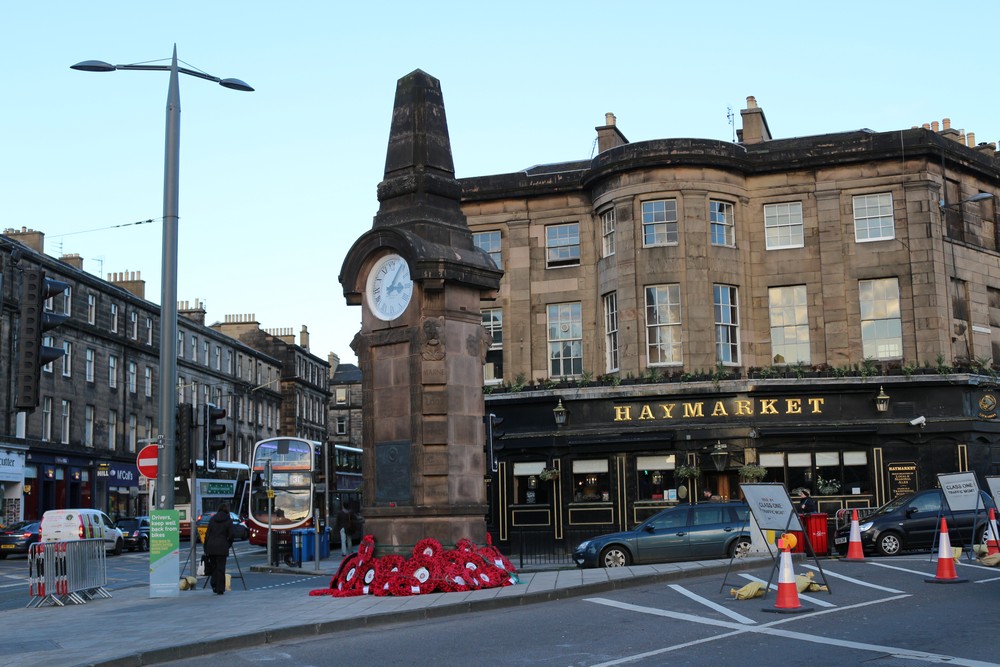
{"x":799,"y":474}
{"x":528,"y":488}
{"x":829,"y":480}
{"x":855,"y":473}
{"x":591,"y":481}
{"x":654,"y":476}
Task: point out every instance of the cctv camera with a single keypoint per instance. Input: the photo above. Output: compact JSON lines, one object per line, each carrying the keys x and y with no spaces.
{"x":919,"y":421}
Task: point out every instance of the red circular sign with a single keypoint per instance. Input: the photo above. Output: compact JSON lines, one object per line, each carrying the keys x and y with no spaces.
{"x":148,"y":461}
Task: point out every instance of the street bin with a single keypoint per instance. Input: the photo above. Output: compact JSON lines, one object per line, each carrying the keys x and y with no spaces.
{"x":324,"y":542}
{"x":815,"y":525}
{"x":302,"y":544}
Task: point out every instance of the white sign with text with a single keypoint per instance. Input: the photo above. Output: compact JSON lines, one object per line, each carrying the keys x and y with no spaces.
{"x":771,"y":506}
{"x":961,"y":491}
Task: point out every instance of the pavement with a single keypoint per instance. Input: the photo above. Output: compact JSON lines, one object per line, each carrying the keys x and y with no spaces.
{"x":131,"y":628}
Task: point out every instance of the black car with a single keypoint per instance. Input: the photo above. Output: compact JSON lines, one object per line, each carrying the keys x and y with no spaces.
{"x":913,"y":521}
{"x":136,"y":532}
{"x":684,"y":532}
{"x":18,"y":537}
{"x":240,"y":530}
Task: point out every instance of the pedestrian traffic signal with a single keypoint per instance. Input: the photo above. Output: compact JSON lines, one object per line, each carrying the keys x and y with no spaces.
{"x":33,"y":321}
{"x":185,"y":422}
{"x":214,"y":432}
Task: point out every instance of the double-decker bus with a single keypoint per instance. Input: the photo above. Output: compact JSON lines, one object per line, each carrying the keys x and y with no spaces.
{"x":288,"y":498}
{"x":226,"y":484}
{"x":347,"y":489}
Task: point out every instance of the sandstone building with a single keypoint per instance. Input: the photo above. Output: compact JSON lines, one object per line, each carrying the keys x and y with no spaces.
{"x":690,"y":307}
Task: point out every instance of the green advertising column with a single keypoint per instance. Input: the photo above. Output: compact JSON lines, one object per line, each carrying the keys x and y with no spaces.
{"x":164,"y":553}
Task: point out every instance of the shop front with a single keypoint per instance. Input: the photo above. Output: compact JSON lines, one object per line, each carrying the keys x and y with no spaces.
{"x":118,"y":484}
{"x":11,"y":482}
{"x":54,"y":482}
{"x":617,"y":457}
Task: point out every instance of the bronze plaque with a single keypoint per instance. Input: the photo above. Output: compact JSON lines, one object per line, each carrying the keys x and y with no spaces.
{"x":902,"y":478}
{"x":392,"y":472}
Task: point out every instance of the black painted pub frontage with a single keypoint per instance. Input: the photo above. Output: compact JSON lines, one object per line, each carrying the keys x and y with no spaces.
{"x":575,"y":461}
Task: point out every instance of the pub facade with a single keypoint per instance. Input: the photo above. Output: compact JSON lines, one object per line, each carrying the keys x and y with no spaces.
{"x":680,"y":315}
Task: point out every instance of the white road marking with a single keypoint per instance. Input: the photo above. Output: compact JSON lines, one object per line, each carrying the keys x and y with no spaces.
{"x":807,"y":598}
{"x":902,"y":569}
{"x":770,"y":629}
{"x":828,"y":573}
{"x":740,"y":618}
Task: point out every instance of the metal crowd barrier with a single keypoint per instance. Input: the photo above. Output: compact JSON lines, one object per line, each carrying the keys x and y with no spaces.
{"x":843,"y":516}
{"x":61,"y":572}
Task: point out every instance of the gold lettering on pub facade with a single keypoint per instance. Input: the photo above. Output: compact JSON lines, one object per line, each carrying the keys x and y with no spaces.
{"x":740,"y":407}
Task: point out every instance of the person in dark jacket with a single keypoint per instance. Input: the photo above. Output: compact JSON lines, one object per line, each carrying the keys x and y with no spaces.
{"x":807,"y":505}
{"x":218,"y":541}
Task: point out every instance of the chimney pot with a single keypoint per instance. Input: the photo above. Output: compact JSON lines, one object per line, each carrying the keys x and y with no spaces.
{"x":609,"y":118}
{"x":946,"y":122}
{"x":751,"y":102}
{"x":934,"y":126}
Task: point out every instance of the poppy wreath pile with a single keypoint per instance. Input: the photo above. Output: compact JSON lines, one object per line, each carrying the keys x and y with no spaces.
{"x":430,"y":568}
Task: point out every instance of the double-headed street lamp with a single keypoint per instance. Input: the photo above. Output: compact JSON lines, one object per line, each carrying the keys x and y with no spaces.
{"x":168,"y":286}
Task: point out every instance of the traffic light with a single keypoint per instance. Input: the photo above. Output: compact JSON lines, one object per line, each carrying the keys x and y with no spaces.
{"x":185,"y":422}
{"x":214,"y":432}
{"x":33,"y":322}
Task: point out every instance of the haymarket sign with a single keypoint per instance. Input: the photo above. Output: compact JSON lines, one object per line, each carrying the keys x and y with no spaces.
{"x":718,"y":408}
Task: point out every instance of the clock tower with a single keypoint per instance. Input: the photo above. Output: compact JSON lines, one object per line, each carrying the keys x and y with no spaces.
{"x":419,"y":280}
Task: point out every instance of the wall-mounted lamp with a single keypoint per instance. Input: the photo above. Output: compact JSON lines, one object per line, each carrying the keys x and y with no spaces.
{"x":560,"y":414}
{"x":882,"y":401}
{"x":720,"y":456}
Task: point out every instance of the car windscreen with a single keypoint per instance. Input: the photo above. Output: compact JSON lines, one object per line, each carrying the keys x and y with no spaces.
{"x":128,"y":524}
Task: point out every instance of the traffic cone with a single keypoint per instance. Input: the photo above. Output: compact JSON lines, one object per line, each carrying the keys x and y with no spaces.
{"x":854,"y":549}
{"x":946,"y":560}
{"x":993,"y":535}
{"x":788,"y":593}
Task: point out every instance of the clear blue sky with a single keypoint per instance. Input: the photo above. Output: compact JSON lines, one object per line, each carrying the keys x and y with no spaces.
{"x":277,"y":184}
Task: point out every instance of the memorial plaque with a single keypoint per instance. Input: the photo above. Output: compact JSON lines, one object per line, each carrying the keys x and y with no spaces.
{"x":902,"y":478}
{"x":392,"y":472}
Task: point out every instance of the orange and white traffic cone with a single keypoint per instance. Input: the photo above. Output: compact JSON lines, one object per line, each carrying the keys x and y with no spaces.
{"x":946,"y":560}
{"x":788,"y":593}
{"x":993,"y":535}
{"x":854,"y":549}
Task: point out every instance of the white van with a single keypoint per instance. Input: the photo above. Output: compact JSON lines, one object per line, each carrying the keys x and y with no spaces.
{"x":81,"y":524}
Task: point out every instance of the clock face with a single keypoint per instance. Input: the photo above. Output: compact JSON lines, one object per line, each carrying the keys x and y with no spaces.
{"x":389,"y":287}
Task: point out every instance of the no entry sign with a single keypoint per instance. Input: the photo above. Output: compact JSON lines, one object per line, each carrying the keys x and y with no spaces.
{"x":148,"y":460}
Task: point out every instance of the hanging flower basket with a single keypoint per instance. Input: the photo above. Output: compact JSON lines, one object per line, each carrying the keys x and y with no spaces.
{"x":752,"y":472}
{"x":548,"y":474}
{"x":687,"y":472}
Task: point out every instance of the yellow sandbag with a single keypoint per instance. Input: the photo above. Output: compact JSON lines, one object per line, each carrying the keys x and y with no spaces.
{"x":990,"y":561}
{"x":188,"y":583}
{"x":754,"y":589}
{"x":956,"y":553}
{"x":803,"y":581}
{"x":815,"y":588}
{"x":229,"y":582}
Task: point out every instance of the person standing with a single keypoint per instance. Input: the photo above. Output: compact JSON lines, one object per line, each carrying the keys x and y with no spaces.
{"x":218,"y":541}
{"x":345,"y":526}
{"x":807,"y":505}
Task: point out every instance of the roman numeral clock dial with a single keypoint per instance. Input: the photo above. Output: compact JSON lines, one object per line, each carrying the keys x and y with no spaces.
{"x":389,"y":287}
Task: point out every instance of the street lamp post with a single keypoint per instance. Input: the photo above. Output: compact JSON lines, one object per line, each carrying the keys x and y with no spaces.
{"x":168,"y":286}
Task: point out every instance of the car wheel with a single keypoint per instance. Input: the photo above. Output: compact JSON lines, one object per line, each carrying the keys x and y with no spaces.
{"x":740,"y":548}
{"x":119,"y":545}
{"x":889,"y":544}
{"x":143,"y":543}
{"x":615,"y":556}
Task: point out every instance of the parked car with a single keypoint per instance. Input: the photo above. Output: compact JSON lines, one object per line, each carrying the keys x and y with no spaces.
{"x":136,"y":532}
{"x":913,"y":521}
{"x":684,"y":532}
{"x":240,"y":530}
{"x":18,"y":537}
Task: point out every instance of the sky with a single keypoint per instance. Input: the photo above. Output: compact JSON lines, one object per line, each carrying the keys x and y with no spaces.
{"x":277,"y":184}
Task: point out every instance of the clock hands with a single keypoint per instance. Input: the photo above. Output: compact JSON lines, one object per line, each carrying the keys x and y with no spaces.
{"x":394,"y":284}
